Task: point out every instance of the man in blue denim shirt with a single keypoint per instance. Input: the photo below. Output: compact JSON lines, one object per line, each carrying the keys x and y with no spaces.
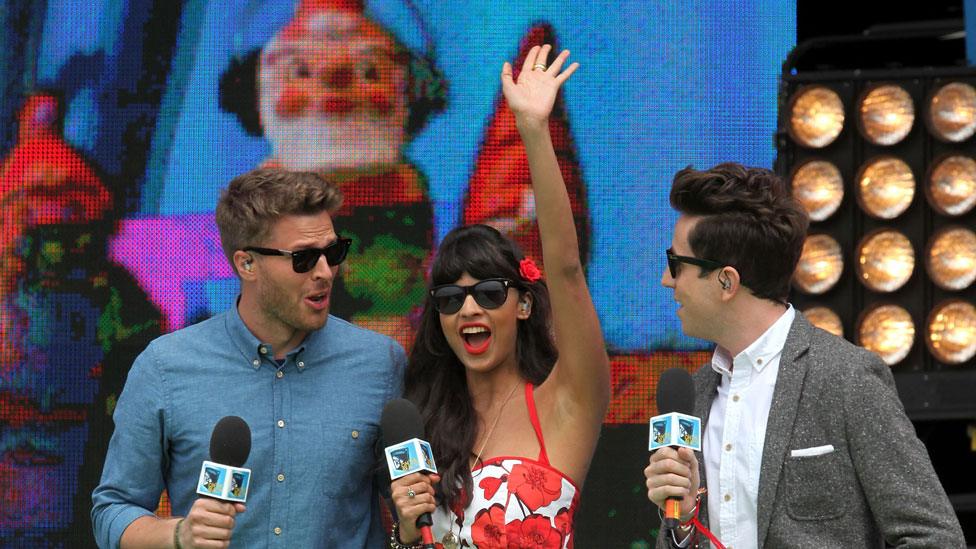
{"x":311,"y":387}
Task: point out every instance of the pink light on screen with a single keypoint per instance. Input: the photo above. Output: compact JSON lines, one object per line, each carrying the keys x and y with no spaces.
{"x":165,"y":253}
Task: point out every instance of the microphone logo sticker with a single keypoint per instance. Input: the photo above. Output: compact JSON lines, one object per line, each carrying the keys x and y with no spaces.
{"x":410,"y":456}
{"x":675,"y":429}
{"x":403,"y":458}
{"x":213,"y":481}
{"x":224,"y":482}
{"x":659,"y":430}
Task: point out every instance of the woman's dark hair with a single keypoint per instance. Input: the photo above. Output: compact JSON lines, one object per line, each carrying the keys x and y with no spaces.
{"x":435,"y":379}
{"x":750,"y":222}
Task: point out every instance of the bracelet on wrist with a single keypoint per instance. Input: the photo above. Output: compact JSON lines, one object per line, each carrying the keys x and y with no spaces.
{"x":176,"y":534}
{"x":395,"y":542}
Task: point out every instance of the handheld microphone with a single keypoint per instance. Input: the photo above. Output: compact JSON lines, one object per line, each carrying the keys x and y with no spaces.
{"x":223,"y":477}
{"x":675,"y":426}
{"x":407,"y":452}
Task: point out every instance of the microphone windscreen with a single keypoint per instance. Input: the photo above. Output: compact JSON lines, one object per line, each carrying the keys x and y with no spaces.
{"x":230,"y":443}
{"x":401,"y":421}
{"x":676,"y":392}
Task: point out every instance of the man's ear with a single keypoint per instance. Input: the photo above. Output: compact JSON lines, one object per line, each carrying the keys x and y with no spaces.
{"x":729,"y":280}
{"x":244,"y":264}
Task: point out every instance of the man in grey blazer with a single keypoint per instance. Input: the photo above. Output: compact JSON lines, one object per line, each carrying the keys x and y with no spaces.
{"x":805,"y":442}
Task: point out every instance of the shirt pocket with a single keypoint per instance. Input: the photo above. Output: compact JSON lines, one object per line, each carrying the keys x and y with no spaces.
{"x":348,"y":460}
{"x":818,"y":487}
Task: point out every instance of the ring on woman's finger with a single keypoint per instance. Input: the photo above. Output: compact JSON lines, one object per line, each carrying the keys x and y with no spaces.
{"x":538,"y":67}
{"x":411,"y":493}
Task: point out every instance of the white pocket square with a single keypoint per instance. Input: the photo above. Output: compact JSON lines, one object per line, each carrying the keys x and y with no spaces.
{"x":810,"y":452}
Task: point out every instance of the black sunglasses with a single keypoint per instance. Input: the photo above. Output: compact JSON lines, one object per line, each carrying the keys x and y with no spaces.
{"x":303,"y":261}
{"x":490,"y":293}
{"x":673,"y":261}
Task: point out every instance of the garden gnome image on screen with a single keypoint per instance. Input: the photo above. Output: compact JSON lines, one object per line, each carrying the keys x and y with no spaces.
{"x":71,"y":323}
{"x":336,"y":93}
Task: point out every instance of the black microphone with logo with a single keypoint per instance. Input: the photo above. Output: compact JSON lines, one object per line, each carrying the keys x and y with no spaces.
{"x":407,"y":452}
{"x":675,"y":426}
{"x":223,"y":477}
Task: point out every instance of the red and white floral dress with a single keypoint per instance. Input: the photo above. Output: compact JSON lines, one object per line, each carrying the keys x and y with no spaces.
{"x":517,"y":503}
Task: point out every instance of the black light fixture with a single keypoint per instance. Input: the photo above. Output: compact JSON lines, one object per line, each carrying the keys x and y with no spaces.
{"x":884,"y":161}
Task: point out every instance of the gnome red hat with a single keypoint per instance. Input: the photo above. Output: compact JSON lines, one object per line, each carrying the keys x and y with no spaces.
{"x":315,"y":15}
{"x":44,"y":181}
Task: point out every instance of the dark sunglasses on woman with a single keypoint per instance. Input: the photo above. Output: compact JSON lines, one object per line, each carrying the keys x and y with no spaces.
{"x":489,"y":293}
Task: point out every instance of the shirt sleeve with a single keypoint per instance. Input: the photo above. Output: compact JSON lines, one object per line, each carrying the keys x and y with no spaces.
{"x":892,"y":464}
{"x":132,"y":477}
{"x":399,"y":359}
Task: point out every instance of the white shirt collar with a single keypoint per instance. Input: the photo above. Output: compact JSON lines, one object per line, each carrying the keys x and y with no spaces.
{"x":761,"y":351}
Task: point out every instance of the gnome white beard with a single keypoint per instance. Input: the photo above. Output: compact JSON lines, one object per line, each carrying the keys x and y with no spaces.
{"x":320,"y":143}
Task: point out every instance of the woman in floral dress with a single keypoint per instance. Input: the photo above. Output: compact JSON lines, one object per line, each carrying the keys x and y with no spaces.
{"x":509,"y":368}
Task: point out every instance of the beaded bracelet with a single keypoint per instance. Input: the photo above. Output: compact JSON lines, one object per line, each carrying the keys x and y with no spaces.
{"x":395,"y":542}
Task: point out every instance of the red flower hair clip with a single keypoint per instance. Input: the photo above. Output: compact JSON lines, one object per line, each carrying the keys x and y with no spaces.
{"x":529,"y":271}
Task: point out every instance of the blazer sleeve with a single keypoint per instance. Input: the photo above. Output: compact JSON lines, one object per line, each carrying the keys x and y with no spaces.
{"x":905,"y":496}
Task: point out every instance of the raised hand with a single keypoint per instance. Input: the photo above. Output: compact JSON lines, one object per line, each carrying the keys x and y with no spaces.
{"x":533,"y":95}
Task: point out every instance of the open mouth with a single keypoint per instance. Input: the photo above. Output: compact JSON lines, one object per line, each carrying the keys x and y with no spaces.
{"x":318,"y":301}
{"x":476,"y":339}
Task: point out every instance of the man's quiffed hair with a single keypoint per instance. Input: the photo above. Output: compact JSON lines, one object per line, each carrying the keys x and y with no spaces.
{"x":254,"y":201}
{"x":749,"y":221}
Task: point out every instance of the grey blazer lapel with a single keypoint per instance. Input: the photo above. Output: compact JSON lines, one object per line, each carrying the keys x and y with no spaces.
{"x":782,"y":416}
{"x":706,"y":384}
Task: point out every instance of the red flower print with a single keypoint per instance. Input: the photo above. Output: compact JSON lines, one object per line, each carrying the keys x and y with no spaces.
{"x":534,"y":486}
{"x":491,"y":484}
{"x":564,"y":523}
{"x":535,"y":532}
{"x":488,"y":530}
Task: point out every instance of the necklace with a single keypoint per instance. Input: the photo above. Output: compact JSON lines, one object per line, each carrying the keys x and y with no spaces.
{"x":498,"y":416}
{"x":450,"y":541}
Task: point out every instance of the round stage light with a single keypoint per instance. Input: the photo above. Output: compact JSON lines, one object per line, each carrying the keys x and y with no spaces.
{"x":820,"y":266}
{"x":885,"y":187}
{"x":887,"y":330}
{"x":825,"y":319}
{"x":885,"y":260}
{"x":951,"y":332}
{"x":887,"y":114}
{"x":952,"y":112}
{"x":816,"y":117}
{"x":952,"y":185}
{"x":951,"y":258}
{"x":818,"y":187}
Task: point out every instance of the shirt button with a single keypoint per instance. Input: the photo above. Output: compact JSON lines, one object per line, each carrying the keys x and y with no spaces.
{"x":277,"y":530}
{"x":758,"y":361}
{"x":281,"y":477}
{"x":279,"y":374}
{"x":728,"y":447}
{"x":301,"y":364}
{"x":355,"y":434}
{"x":263,"y":350}
{"x":735,"y":398}
{"x":728,"y":497}
{"x":281,"y":423}
{"x":256,"y":362}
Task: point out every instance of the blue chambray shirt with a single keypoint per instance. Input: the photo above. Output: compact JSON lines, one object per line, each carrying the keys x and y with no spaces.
{"x":314,"y":422}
